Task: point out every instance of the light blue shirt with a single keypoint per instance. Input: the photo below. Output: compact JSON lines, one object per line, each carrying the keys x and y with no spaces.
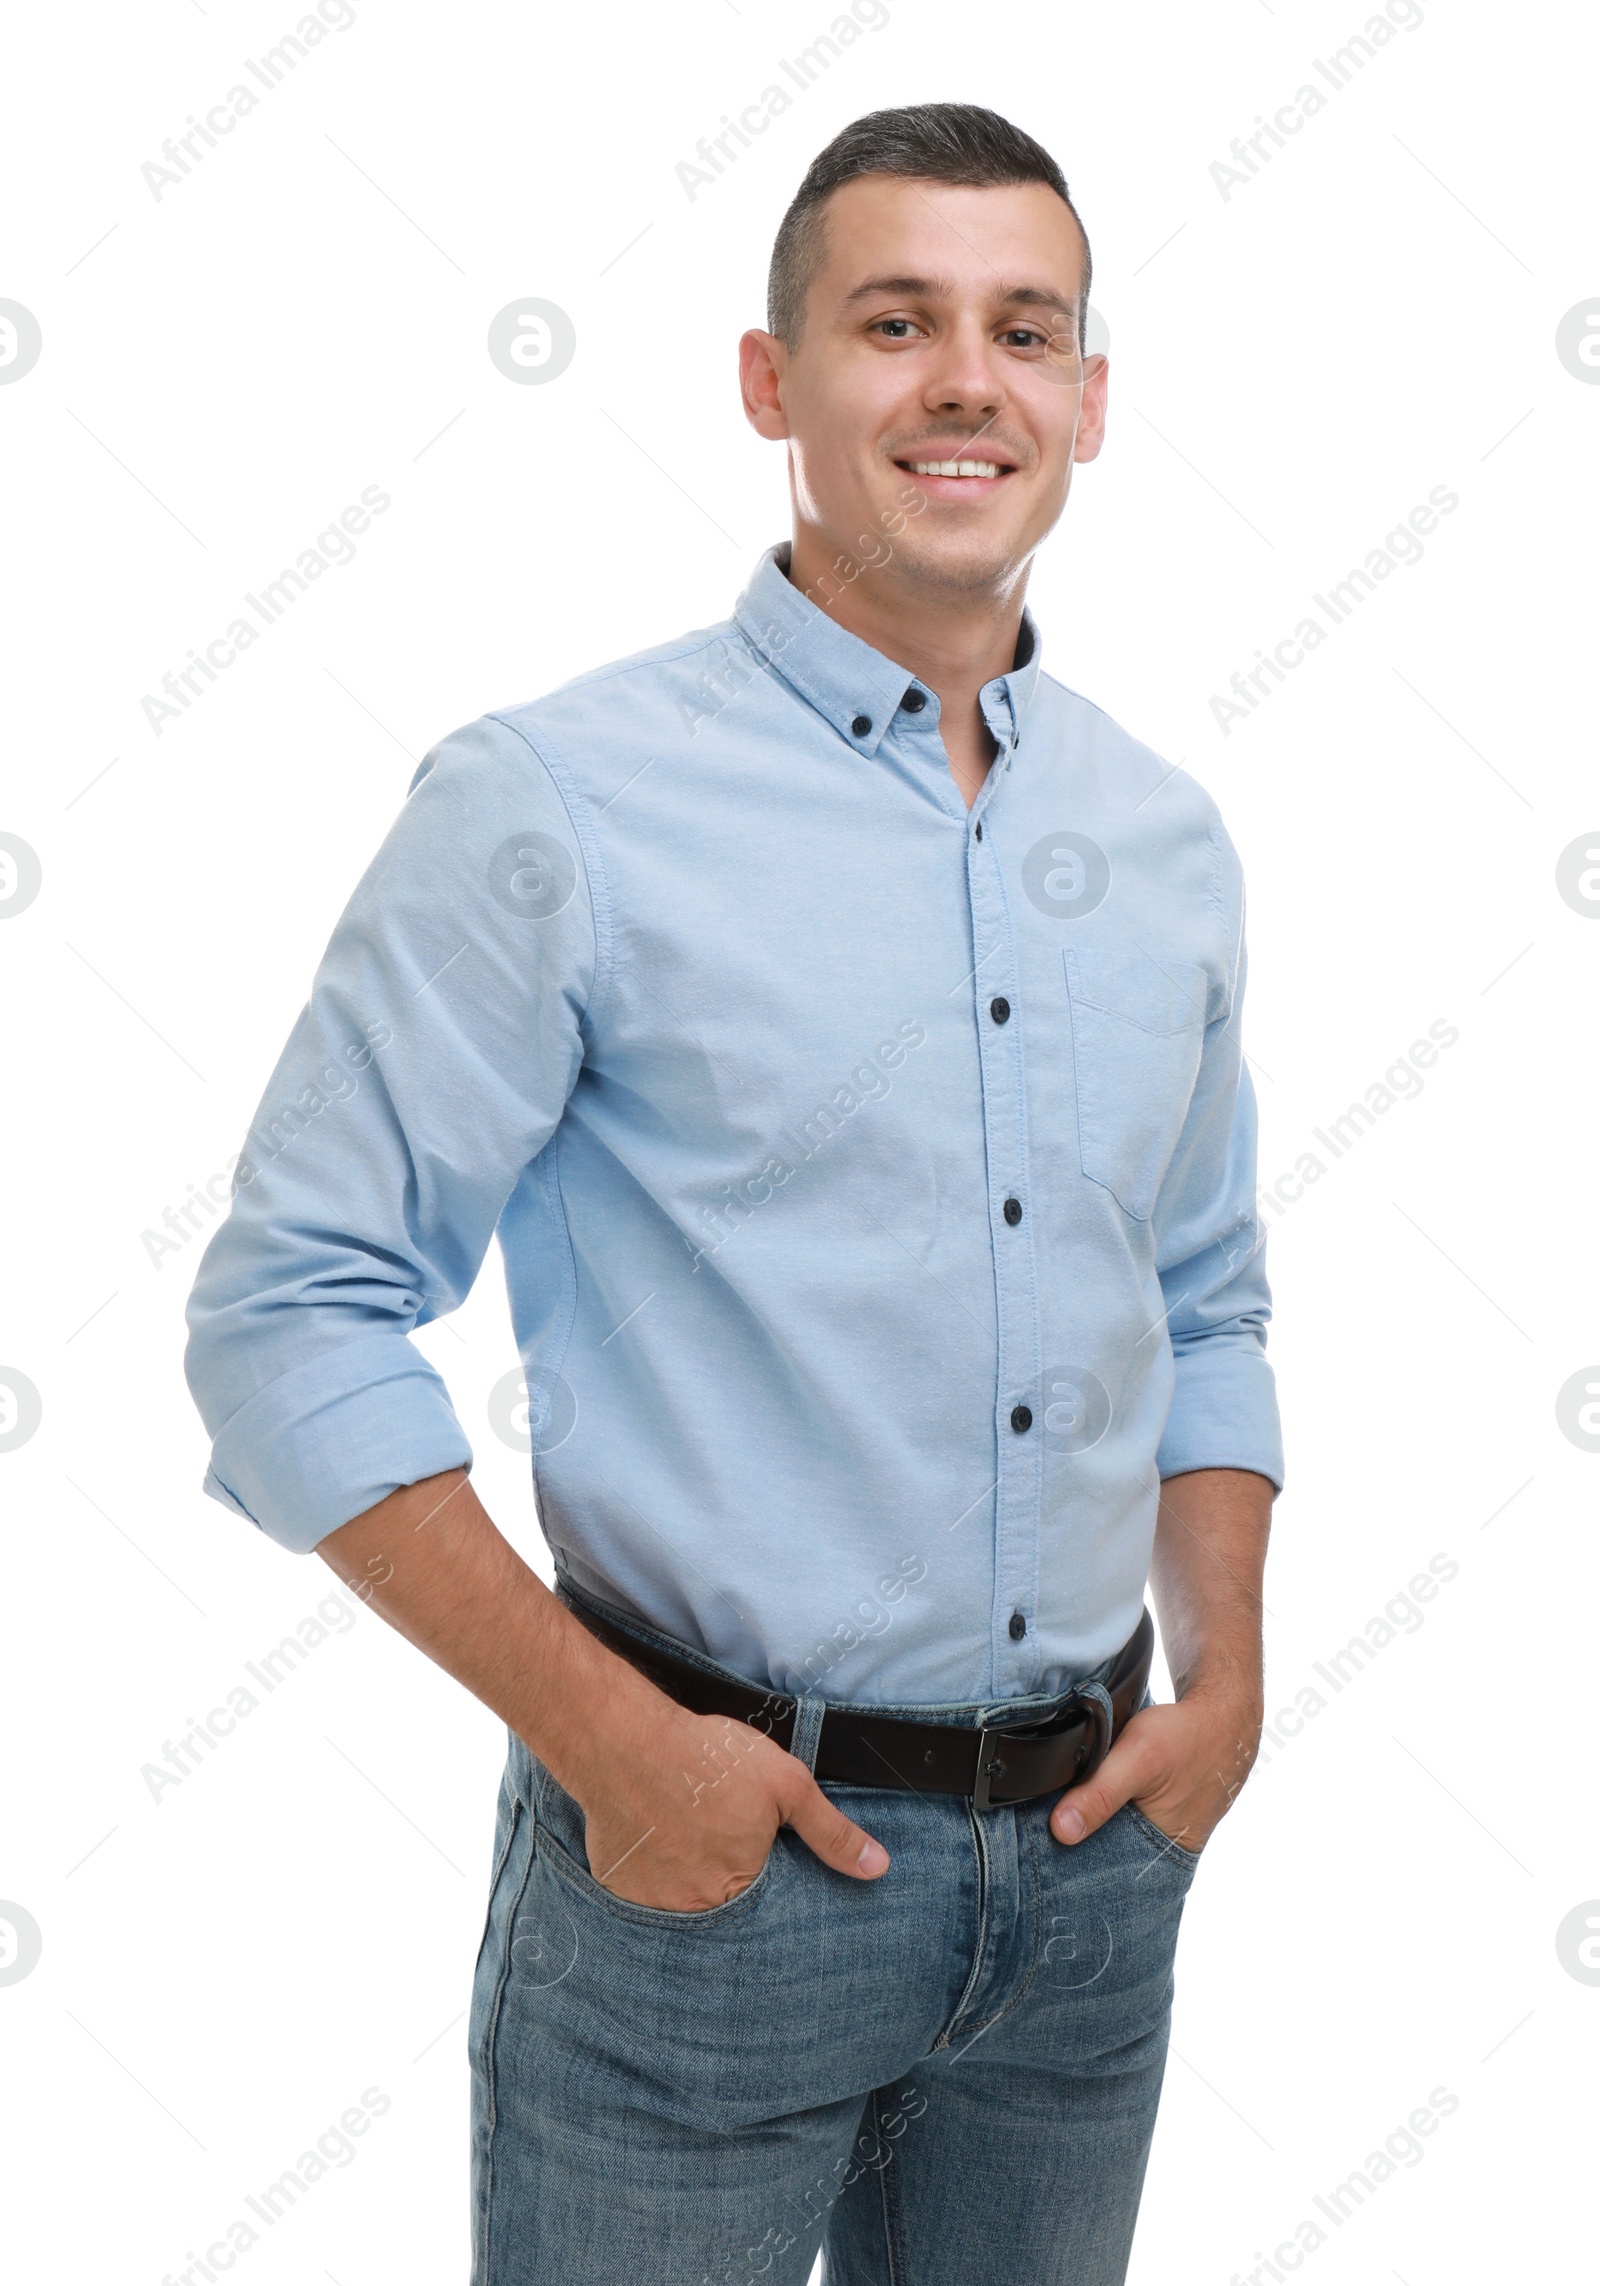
{"x":874,"y":1178}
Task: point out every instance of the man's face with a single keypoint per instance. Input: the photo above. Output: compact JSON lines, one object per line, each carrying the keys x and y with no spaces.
{"x":941,"y":331}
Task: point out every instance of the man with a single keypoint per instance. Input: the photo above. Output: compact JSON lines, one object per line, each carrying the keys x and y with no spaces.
{"x":837,"y":1020}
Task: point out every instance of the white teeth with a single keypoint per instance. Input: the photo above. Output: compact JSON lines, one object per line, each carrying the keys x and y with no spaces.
{"x":955,"y":468}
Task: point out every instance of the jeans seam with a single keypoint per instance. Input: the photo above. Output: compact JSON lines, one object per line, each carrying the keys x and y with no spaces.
{"x":889,"y":2205}
{"x":1031,"y":1844}
{"x":499,"y":1868}
{"x":1031,"y":1847}
{"x":490,"y":2056}
{"x":980,"y":1851}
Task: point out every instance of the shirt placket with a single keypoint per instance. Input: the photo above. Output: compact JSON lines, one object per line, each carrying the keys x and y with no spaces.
{"x":1019,"y":1428}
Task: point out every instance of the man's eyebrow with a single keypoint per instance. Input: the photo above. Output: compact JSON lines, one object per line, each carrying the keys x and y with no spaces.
{"x":943,"y":289}
{"x":935,"y":288}
{"x":1037,"y":297}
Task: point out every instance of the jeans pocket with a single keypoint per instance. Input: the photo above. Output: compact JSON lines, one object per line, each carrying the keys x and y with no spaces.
{"x":1138,"y":1027}
{"x":1162,"y":1843}
{"x":559,"y":1844}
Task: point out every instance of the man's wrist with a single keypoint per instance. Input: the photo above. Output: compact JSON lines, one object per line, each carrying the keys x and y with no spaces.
{"x":606,"y":1720}
{"x":1233,"y":1686}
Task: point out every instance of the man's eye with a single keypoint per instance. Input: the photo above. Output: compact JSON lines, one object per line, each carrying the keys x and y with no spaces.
{"x":896,"y":328}
{"x":1023,"y":337}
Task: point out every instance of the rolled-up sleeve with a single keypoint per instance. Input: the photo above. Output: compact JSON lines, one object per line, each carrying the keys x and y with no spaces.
{"x":1210,"y":1251}
{"x":429,"y":1067}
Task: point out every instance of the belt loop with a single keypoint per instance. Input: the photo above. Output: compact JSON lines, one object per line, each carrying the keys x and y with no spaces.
{"x":808,"y":1715}
{"x":1102,"y":1699}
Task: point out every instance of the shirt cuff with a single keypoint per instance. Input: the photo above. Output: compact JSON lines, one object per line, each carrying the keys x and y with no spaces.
{"x":1224,"y":1412}
{"x":331,"y":1438}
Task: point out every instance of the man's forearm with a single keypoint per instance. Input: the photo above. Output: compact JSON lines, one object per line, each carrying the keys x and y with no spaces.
{"x":1205,"y":1576}
{"x":1184,"y":1764}
{"x":680,"y":1808}
{"x":432,"y":1563}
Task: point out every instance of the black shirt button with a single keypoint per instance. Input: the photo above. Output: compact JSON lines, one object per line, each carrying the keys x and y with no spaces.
{"x":914,"y":701}
{"x":999,"y":1010}
{"x":1021,"y":1419}
{"x":861,"y":726}
{"x":977,"y":831}
{"x":1012,"y":1210}
{"x":1019,"y":1627}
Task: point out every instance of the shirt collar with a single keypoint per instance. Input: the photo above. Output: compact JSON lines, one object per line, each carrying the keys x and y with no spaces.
{"x":845,"y":679}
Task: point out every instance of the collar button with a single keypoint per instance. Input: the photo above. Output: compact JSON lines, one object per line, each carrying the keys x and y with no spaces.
{"x":862,"y":726}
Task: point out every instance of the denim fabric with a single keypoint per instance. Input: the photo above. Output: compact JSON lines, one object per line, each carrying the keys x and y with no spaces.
{"x":874,"y":1178}
{"x":946,"y":2077}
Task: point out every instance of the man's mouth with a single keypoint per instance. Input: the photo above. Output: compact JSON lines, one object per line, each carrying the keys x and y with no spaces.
{"x":954,"y":467}
{"x":966,"y":475}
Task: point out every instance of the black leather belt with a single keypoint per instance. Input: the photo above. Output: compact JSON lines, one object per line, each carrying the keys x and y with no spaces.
{"x":990,"y":1767}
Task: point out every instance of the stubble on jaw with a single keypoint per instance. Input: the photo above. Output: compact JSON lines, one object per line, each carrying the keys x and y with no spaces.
{"x":976,"y":565}
{"x":973,"y":567}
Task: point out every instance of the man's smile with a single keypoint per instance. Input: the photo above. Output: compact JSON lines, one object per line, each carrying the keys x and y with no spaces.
{"x":960,"y":477}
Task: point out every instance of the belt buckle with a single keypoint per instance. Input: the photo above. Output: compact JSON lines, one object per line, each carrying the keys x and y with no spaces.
{"x":1090,"y":1757}
{"x":986,"y":1769}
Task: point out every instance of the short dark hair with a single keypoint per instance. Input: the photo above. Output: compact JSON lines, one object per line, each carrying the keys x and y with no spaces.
{"x":924,"y":142}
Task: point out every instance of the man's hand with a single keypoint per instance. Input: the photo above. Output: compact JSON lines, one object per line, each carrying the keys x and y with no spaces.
{"x":685,"y":1821}
{"x":679,"y":1809}
{"x":1183,"y":1765}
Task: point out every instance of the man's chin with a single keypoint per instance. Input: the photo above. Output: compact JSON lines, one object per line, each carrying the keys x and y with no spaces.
{"x":954,"y":566}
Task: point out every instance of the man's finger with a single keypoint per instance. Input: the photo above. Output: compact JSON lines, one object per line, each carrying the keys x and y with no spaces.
{"x":825,"y":1829}
{"x":1086,"y":1807}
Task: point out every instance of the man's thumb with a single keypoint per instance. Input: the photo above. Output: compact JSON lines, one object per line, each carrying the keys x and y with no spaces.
{"x":828,"y":1833}
{"x":1085,"y":1808}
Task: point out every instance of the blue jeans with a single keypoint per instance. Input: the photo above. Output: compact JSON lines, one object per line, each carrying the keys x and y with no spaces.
{"x":944,"y":2077}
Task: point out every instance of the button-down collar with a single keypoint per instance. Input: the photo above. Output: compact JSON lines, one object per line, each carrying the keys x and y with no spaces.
{"x":846,"y":680}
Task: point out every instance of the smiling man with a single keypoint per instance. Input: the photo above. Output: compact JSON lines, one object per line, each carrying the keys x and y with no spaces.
{"x":838,"y":1021}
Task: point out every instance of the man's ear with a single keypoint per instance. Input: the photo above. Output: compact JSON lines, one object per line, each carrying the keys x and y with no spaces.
{"x":1092,"y":419}
{"x":762,"y":359}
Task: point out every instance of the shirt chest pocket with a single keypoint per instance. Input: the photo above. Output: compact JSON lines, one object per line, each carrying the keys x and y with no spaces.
{"x":1138,"y":1027}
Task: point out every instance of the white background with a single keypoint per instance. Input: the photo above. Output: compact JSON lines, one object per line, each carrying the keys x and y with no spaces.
{"x":1294,"y":367}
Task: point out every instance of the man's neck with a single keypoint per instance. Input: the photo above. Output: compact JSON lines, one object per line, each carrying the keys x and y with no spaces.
{"x":951,"y":644}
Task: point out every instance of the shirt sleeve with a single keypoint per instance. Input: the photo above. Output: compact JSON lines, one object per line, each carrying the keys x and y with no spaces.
{"x":1210,"y":1253}
{"x":429,"y":1067}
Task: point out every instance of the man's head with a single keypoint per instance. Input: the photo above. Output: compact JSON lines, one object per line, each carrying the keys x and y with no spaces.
{"x":927,"y":306}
